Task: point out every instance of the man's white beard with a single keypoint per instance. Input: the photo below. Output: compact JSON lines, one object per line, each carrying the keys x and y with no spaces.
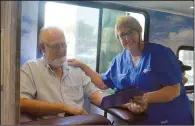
{"x":57,"y":62}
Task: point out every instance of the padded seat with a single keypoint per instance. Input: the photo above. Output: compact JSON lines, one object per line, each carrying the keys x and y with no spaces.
{"x":93,"y":119}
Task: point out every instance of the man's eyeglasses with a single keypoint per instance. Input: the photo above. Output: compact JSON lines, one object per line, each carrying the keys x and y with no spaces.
{"x":130,"y":33}
{"x":56,"y":47}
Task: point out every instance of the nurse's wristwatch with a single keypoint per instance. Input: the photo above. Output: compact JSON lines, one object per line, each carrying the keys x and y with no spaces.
{"x":145,"y":98}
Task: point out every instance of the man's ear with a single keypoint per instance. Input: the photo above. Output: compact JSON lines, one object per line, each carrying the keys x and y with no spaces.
{"x":42,"y":47}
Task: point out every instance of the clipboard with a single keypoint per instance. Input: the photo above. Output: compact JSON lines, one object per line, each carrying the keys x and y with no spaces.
{"x":120,"y":98}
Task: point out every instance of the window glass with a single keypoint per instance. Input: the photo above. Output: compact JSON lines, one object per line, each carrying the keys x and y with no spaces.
{"x":186,"y":56}
{"x":110,"y":45}
{"x":80,"y":31}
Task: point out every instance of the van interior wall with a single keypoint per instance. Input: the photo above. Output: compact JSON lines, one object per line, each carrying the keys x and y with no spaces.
{"x":29,"y":30}
{"x":10,"y":49}
{"x":168,"y":29}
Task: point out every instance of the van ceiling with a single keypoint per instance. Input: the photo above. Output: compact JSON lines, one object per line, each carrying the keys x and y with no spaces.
{"x":176,"y":7}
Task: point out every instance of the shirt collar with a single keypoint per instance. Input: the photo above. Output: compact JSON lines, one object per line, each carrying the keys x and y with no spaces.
{"x":65,"y":69}
{"x":45,"y":62}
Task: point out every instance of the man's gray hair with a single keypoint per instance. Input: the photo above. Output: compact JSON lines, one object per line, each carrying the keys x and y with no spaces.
{"x":47,"y":29}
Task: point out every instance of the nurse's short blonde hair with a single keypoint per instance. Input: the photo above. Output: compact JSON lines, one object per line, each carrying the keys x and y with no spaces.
{"x":127,"y":22}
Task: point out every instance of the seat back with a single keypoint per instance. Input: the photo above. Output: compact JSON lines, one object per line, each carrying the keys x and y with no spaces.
{"x":25,"y":117}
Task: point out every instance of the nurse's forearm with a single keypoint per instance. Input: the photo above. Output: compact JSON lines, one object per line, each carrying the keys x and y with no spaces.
{"x":163,"y":95}
{"x":95,"y":77}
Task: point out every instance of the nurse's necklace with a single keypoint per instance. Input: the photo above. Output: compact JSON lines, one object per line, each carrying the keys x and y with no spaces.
{"x":136,"y":60}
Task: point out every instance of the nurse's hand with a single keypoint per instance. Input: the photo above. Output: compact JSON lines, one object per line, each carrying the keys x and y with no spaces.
{"x":142,"y":100}
{"x":136,"y":108}
{"x":137,"y":105}
{"x":76,"y":63}
{"x":77,"y":111}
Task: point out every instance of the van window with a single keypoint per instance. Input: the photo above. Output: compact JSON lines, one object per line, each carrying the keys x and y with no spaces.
{"x":110,"y":46}
{"x":80,"y":31}
{"x":186,"y":56}
{"x":89,"y":29}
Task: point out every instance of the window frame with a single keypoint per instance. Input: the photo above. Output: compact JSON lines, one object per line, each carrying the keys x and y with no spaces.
{"x":100,"y":6}
{"x":187,"y":48}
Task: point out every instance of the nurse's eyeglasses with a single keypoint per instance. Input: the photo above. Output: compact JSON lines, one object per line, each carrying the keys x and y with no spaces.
{"x":130,"y":33}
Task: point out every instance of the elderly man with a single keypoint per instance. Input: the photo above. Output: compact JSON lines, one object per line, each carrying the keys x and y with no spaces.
{"x":49,"y":86}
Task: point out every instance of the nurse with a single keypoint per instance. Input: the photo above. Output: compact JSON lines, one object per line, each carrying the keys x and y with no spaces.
{"x":152,"y":67}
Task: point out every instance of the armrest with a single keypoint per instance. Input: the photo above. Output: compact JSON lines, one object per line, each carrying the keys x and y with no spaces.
{"x":25,"y":117}
{"x":125,"y":115}
{"x":72,"y":120}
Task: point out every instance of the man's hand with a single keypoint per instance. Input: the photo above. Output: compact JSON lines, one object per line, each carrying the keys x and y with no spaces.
{"x":77,"y":111}
{"x":76,"y":63}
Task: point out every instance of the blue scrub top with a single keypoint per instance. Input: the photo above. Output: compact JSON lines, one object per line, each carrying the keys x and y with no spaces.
{"x":157,"y":68}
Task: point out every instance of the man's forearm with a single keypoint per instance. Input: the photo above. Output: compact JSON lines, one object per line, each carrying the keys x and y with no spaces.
{"x":41,"y":108}
{"x":95,"y":77}
{"x":96,"y":97}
